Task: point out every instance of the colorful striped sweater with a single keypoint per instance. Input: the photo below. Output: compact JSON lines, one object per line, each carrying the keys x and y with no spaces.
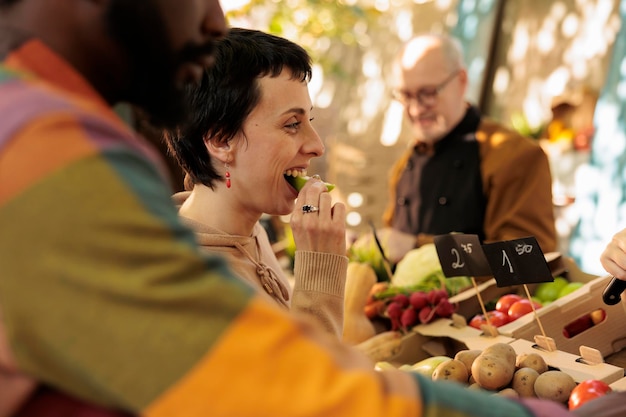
{"x":105,"y":295}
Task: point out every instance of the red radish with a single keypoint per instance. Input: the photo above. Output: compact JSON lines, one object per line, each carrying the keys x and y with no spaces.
{"x":418,"y":300}
{"x":444,"y":308}
{"x":426,"y":314}
{"x":434,"y":296}
{"x":403,"y":299}
{"x":394,"y":312}
{"x":409,"y":318}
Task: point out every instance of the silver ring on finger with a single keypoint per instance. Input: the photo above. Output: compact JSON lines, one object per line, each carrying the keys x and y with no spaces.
{"x":308,"y":208}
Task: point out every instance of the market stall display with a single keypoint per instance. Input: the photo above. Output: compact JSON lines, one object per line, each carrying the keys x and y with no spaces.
{"x":449,"y":348}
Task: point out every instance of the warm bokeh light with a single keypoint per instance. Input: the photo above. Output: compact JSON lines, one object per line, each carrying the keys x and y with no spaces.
{"x":392,"y":125}
{"x":501,"y":80}
{"x":353,"y":219}
{"x":355,"y":200}
{"x":228,"y":5}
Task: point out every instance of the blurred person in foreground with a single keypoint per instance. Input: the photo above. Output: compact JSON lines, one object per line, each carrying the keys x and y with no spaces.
{"x":250,"y":126}
{"x":462,"y":172}
{"x":104,"y":294}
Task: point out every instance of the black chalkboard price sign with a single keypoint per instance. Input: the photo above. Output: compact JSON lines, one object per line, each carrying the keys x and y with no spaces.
{"x":461,"y":255}
{"x":519,"y":261}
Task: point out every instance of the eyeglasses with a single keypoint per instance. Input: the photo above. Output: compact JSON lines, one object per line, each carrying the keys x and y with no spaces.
{"x":425,"y":96}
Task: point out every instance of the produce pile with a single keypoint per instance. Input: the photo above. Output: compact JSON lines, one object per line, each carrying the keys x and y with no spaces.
{"x":383,"y":308}
{"x":510,"y":307}
{"x":404,"y":310}
{"x":548,"y":292}
{"x":499,"y":369}
{"x":418,"y":292}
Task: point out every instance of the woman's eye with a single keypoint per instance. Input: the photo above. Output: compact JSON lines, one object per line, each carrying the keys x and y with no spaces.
{"x":293,"y":125}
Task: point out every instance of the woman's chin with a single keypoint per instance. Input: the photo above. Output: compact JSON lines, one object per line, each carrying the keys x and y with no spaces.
{"x":281,"y":211}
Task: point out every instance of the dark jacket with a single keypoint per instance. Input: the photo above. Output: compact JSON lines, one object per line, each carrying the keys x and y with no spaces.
{"x":483,"y":179}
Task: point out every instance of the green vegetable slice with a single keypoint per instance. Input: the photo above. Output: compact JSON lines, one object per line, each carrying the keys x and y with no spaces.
{"x":298,"y":182}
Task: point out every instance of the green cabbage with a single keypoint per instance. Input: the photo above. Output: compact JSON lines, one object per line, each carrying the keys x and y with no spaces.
{"x":420,"y":269}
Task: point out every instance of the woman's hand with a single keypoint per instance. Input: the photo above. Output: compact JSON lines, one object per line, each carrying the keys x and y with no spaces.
{"x":322,"y":228}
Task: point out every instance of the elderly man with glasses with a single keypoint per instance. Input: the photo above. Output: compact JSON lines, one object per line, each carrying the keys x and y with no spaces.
{"x":463,"y":172}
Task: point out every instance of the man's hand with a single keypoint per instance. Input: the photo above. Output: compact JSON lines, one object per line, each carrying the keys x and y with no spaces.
{"x":395,"y":244}
{"x":613,"y":258}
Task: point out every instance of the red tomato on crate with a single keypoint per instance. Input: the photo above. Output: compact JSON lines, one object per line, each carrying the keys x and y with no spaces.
{"x":587,"y":391}
{"x":521,"y":308}
{"x":506,"y":301}
{"x":496,"y":317}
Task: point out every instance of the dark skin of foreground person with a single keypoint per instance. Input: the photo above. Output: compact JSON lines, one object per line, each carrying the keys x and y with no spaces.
{"x":104,"y":294}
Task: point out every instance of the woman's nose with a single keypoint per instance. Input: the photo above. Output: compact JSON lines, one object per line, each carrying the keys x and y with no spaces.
{"x":313,"y":143}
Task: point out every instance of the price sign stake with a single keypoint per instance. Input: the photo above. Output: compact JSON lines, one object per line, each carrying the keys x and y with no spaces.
{"x":516,"y":262}
{"x":520,"y":262}
{"x":462,"y":255}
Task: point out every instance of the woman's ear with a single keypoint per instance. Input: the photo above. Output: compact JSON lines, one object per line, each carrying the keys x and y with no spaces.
{"x":218,"y":149}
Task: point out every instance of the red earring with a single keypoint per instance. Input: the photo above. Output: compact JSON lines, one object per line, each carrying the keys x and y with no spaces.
{"x":227,"y":175}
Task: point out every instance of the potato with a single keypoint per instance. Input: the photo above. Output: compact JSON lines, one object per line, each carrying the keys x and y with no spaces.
{"x":451,"y":370}
{"x":475,"y":386}
{"x":524,"y":382}
{"x":531,"y":360}
{"x":467,"y":356}
{"x":508,"y":392}
{"x":492,"y":372}
{"x":502,"y":350}
{"x":554,"y":385}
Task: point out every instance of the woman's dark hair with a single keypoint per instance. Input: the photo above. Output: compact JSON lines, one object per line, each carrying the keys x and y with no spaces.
{"x":228,"y":93}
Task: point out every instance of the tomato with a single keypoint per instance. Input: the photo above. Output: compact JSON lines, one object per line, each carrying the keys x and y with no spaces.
{"x":521,"y":308}
{"x":496,"y":317}
{"x":587,"y":391}
{"x":504,"y":303}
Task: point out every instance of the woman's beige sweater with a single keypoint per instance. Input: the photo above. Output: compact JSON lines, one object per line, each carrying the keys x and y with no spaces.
{"x":319,"y":277}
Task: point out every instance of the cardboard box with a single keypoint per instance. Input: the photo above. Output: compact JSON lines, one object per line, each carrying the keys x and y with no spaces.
{"x":619,"y":385}
{"x":571,"y":364}
{"x":608,"y":336}
{"x":469,"y":304}
{"x":442,"y":338}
